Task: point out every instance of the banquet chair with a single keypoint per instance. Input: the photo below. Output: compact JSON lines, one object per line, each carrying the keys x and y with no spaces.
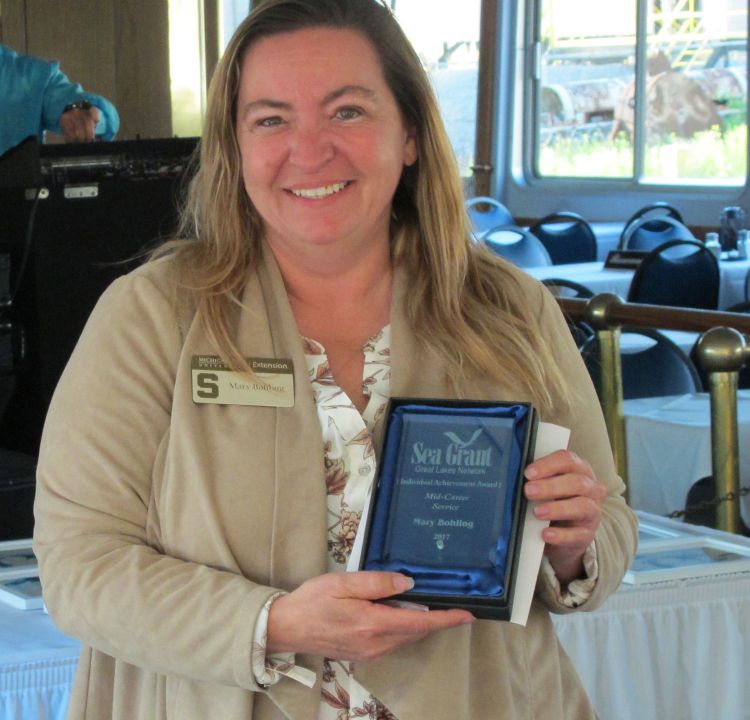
{"x":680,"y":273}
{"x":659,"y":368}
{"x":698,"y":507}
{"x":567,"y":237}
{"x":651,"y":212}
{"x":486,"y":213}
{"x":648,"y":233}
{"x":517,"y":245}
{"x":561,"y":287}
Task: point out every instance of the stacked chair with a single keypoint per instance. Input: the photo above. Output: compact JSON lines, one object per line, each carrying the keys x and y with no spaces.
{"x":681,"y":273}
{"x":486,"y":213}
{"x":661,"y":368}
{"x":567,"y":237}
{"x":517,"y":245}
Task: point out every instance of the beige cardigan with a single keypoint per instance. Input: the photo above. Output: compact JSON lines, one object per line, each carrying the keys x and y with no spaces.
{"x":163,"y":526}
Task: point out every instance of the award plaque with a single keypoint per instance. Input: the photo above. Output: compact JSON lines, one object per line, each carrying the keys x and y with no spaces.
{"x":448,"y":506}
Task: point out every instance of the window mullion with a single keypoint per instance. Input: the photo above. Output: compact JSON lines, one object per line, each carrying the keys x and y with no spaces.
{"x":641,"y":79}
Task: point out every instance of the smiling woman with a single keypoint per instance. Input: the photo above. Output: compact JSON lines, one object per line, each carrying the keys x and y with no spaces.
{"x":197,"y":505}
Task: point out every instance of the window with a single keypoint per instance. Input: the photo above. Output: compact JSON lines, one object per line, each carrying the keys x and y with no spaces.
{"x":448,"y":44}
{"x":659,"y":98}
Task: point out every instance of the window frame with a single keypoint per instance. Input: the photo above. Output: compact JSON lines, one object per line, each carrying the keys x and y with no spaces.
{"x":530,"y":195}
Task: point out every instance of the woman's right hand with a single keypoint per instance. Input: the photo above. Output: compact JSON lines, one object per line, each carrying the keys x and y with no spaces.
{"x":335,"y":615}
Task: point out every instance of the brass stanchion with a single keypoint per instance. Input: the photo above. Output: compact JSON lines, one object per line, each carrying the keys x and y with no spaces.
{"x":721,"y":352}
{"x":610,"y":377}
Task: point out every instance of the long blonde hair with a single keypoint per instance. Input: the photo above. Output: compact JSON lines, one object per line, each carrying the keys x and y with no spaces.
{"x":467,"y":305}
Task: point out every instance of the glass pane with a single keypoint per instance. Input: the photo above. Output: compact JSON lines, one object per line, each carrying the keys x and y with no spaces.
{"x":587,"y":66}
{"x":448,"y":43}
{"x":185,"y":67}
{"x":696,"y":113}
{"x":231,"y":14}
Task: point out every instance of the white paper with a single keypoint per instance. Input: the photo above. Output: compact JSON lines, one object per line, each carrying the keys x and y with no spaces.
{"x":549,"y":437}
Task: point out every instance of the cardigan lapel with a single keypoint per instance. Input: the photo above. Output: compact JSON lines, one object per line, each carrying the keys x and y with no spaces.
{"x":299,"y":523}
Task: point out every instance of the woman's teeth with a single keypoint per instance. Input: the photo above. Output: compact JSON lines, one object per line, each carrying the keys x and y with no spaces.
{"x":319,"y":192}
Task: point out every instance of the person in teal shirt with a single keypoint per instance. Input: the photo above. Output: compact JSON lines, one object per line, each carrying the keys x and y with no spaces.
{"x":36,"y":96}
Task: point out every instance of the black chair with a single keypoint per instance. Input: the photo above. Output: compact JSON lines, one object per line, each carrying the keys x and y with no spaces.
{"x":743,"y":380}
{"x":647,"y":234}
{"x":567,"y":237}
{"x":560,"y":287}
{"x":517,"y":246}
{"x":661,"y":368}
{"x":486,"y":213}
{"x":679,"y":273}
{"x":700,"y":508}
{"x":654,"y":211}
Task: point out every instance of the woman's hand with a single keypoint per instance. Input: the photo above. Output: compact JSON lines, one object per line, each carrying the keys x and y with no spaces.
{"x":334,"y":615}
{"x":570,"y":497}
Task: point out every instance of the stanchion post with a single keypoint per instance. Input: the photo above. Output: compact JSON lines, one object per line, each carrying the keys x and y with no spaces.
{"x":721,"y":352}
{"x":610,"y":377}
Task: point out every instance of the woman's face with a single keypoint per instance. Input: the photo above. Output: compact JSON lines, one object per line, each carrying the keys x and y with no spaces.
{"x":322,"y":139}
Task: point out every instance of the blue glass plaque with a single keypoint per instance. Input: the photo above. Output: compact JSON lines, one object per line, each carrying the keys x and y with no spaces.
{"x":447,"y":509}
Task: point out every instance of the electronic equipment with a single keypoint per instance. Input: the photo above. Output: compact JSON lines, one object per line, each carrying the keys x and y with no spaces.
{"x":99,"y":208}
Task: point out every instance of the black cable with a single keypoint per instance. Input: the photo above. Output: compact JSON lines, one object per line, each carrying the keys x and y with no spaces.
{"x":27,"y":245}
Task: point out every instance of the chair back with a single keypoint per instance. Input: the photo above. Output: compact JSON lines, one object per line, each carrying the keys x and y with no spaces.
{"x":517,"y":246}
{"x":560,"y":287}
{"x":486,"y":213}
{"x":679,"y":273}
{"x":567,"y":237}
{"x":659,"y":368}
{"x":652,"y":211}
{"x":648,"y":233}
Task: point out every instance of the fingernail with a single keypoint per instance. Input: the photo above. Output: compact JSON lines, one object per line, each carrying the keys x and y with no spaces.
{"x":549,"y":534}
{"x":541,"y":512}
{"x":531,"y":472}
{"x":403,"y":583}
{"x":532,"y":489}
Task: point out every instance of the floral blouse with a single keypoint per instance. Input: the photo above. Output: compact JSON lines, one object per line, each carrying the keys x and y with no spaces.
{"x":350,"y":471}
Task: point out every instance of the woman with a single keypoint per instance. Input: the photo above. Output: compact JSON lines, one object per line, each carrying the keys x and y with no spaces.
{"x":196,"y":547}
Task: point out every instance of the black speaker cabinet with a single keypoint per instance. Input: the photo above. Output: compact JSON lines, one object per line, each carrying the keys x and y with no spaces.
{"x":100,"y":215}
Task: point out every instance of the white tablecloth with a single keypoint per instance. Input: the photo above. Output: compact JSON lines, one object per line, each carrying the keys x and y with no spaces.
{"x":37,"y":666}
{"x":667,"y":651}
{"x":600,"y":279}
{"x":669,"y":448}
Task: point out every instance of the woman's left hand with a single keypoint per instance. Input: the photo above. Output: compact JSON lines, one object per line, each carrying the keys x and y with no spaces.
{"x":570,"y":497}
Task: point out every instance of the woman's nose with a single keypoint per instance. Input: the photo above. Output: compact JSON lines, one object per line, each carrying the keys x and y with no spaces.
{"x":311,"y":148}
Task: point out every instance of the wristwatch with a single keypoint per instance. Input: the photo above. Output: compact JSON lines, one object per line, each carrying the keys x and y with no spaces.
{"x":79,"y":105}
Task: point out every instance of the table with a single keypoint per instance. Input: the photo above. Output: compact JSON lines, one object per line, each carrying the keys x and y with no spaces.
{"x":37,"y":666}
{"x":669,"y":448}
{"x":617,"y":280}
{"x":667,"y":650}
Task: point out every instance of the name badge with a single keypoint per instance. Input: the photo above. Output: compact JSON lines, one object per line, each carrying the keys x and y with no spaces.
{"x":215,"y":384}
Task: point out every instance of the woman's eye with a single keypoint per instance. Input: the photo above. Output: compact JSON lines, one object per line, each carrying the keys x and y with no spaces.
{"x":348,"y":113}
{"x":269,"y":122}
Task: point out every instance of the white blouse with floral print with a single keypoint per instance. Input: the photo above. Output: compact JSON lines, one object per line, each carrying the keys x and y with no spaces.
{"x":350,"y":469}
